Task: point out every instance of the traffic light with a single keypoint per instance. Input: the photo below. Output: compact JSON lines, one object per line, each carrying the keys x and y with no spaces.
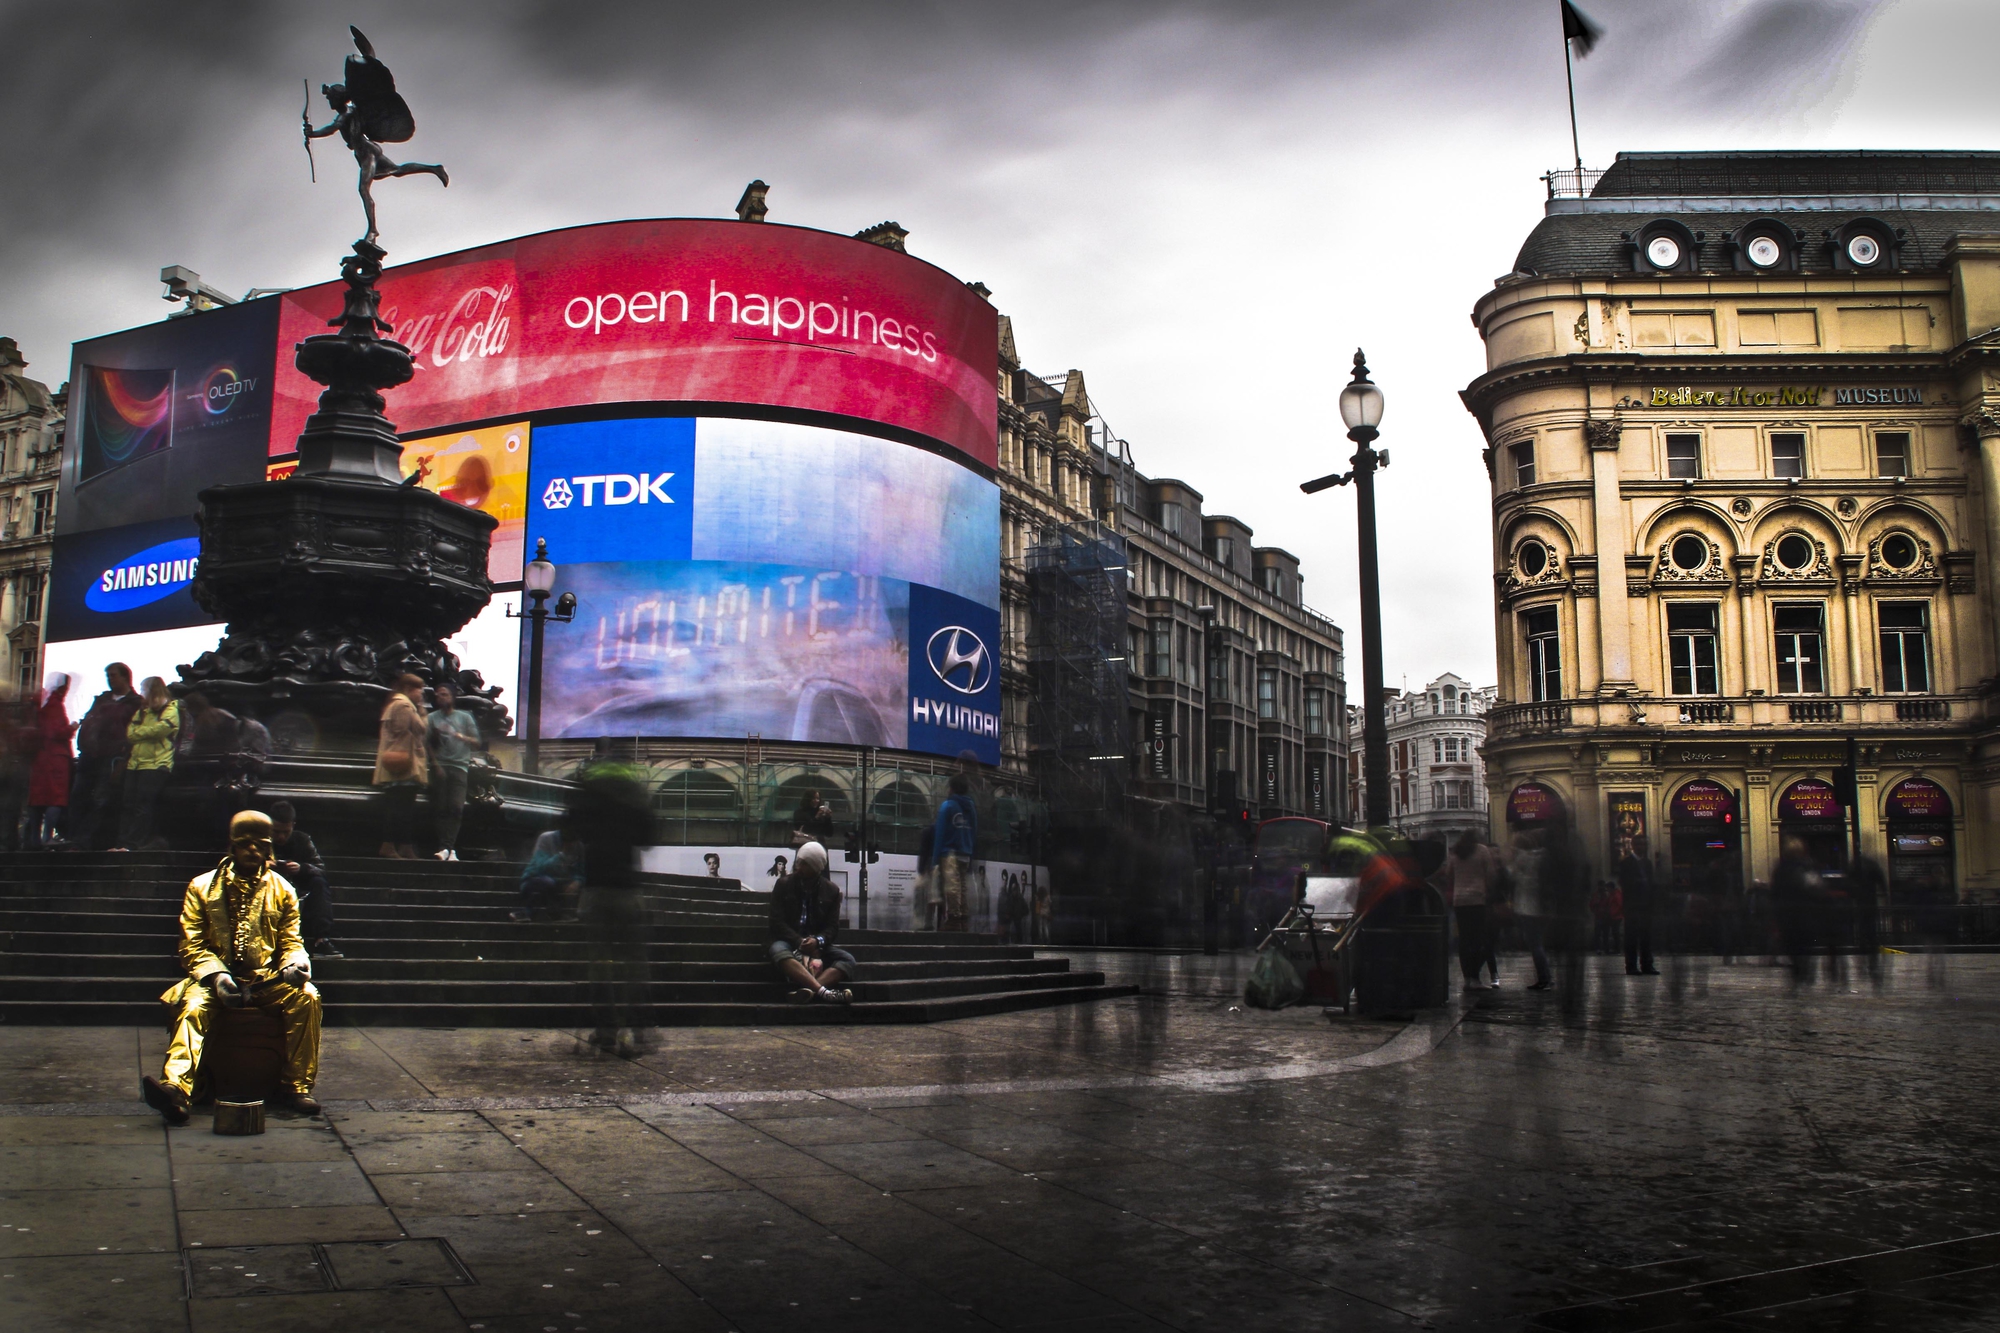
{"x":1843,"y":787}
{"x":874,"y":852}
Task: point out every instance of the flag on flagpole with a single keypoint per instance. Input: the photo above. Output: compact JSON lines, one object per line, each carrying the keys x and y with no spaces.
{"x":1579,"y":29}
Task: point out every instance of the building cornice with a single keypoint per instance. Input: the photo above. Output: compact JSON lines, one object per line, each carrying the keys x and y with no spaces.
{"x":1591,"y":369}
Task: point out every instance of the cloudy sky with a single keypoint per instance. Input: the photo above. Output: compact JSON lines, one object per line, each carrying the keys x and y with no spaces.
{"x":1204,"y":206}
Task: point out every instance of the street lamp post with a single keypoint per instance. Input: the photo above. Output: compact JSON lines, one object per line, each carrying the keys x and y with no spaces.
{"x":538,"y":580}
{"x":1361,"y":411}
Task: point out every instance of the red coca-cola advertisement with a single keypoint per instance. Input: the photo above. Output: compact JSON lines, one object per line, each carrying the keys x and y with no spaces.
{"x":683,"y":311}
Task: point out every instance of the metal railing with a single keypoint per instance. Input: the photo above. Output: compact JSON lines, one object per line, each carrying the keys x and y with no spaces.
{"x":1572,"y":182}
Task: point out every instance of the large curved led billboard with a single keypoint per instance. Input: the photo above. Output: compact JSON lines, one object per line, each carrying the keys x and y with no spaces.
{"x":760,"y":456}
{"x":695,"y":311}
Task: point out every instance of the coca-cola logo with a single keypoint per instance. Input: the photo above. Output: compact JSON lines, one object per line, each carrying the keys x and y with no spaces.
{"x":476,"y":324}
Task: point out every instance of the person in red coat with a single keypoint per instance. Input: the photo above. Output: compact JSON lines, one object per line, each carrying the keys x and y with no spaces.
{"x":49,"y":777}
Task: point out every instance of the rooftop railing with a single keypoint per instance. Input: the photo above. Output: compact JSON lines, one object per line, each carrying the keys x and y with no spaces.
{"x":1573,"y":183}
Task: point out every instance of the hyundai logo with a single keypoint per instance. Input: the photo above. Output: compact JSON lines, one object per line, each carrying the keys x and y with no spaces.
{"x":958,"y":657}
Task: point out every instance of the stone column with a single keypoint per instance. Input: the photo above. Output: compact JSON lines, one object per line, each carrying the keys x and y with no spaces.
{"x":1614,"y":619}
{"x":1984,"y":425}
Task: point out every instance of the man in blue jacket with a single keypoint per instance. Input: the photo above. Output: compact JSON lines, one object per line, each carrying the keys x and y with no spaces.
{"x":952,"y":839}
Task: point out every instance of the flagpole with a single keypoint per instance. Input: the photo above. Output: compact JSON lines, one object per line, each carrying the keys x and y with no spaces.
{"x":1576,"y":145}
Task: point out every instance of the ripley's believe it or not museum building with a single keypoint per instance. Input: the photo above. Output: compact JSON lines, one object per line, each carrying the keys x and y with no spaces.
{"x":769,"y":462}
{"x":1742,"y":415}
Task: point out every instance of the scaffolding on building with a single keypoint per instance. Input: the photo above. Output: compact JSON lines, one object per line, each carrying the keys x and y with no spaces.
{"x":1077,"y":727}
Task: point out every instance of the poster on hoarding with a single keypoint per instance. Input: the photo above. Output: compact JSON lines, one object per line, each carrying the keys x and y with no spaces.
{"x":694,"y":311}
{"x":1532,"y":803}
{"x":1627,"y":812}
{"x":1918,"y":798}
{"x":485,"y":470}
{"x":1809,"y":800}
{"x":1703,"y":802}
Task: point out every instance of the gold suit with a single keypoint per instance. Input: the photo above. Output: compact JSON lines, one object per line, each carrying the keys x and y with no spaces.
{"x":248,"y":926}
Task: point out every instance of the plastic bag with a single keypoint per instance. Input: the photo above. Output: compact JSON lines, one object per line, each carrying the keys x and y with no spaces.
{"x":1274,"y":982}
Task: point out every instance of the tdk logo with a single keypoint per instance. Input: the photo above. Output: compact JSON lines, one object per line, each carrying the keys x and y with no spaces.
{"x":962,"y":663}
{"x":620,"y":488}
{"x":146,"y":576}
{"x":958,"y":657}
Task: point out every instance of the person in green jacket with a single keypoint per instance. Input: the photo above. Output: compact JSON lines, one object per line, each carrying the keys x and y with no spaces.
{"x":153,"y":732}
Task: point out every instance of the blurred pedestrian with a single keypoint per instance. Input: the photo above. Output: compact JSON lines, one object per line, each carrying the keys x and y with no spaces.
{"x":153,"y":732}
{"x":1795,"y":894}
{"x":50,"y":775}
{"x":298,"y":859}
{"x":805,"y":921}
{"x":610,"y":813}
{"x":454,"y":737}
{"x":552,"y":876}
{"x":18,"y":741}
{"x":813,"y":821}
{"x":1045,"y":915}
{"x":401,"y":766}
{"x":1469,"y":875}
{"x":954,"y":840}
{"x":1527,"y":867}
{"x":1638,"y":893}
{"x":1865,"y":886}
{"x":101,"y":749}
{"x":1607,"y":915}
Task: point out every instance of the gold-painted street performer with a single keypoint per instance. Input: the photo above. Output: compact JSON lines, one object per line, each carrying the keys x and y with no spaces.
{"x":241,"y":947}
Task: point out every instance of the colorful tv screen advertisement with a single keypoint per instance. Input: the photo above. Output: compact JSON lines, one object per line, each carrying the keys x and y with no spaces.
{"x":485,"y":470}
{"x":165,"y":411}
{"x":740,"y":577}
{"x":685,"y":311}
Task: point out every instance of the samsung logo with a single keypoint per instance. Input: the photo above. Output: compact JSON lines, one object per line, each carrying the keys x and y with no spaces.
{"x":145,"y":576}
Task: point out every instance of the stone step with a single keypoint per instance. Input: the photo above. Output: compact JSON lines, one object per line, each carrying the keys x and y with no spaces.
{"x":865,"y":945}
{"x":745,"y":966}
{"x":574,"y":1016}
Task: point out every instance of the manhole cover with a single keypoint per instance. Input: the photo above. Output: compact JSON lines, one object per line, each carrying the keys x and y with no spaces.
{"x":368,"y":1265}
{"x":256,"y":1270}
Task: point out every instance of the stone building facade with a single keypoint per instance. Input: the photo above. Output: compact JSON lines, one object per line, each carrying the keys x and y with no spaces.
{"x":31,"y":435}
{"x":1742,"y":421}
{"x":1235,"y":689}
{"x":1437,"y":775}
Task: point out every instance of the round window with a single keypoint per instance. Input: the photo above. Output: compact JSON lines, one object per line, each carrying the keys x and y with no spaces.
{"x":1534,"y":558}
{"x":1663,"y":251}
{"x":1795,"y":552}
{"x":1864,"y":250}
{"x":1899,"y":550}
{"x":1764,"y":251}
{"x":1689,"y":553}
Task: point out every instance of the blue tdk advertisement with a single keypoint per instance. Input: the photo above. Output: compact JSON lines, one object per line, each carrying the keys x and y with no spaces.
{"x":124,"y":580}
{"x":954,"y":675}
{"x":613,"y":490}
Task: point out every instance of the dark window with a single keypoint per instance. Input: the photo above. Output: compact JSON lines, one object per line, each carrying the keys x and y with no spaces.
{"x":1315,"y":712}
{"x":45,"y":513}
{"x":1795,"y":552}
{"x":1267,"y":693}
{"x":1689,"y":553}
{"x":31,"y":605}
{"x":1534,"y":558}
{"x":1906,"y":657}
{"x":1788,"y":454}
{"x":1524,"y":463}
{"x":1892,"y":453}
{"x":1801,"y":636}
{"x":1691,"y":647}
{"x":1544,"y":655}
{"x":1899,"y":550}
{"x":1162,"y":665}
{"x":1683,"y":456}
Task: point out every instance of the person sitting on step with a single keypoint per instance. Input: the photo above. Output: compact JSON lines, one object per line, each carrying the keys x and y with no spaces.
{"x":241,"y":947}
{"x":299,"y":861}
{"x":805,"y":918}
{"x":552,"y":882}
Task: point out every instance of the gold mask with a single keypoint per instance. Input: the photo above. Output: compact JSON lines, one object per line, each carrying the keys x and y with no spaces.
{"x":250,"y":837}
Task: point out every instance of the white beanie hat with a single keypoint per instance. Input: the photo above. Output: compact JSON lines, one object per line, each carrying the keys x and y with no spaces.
{"x":810,"y":858}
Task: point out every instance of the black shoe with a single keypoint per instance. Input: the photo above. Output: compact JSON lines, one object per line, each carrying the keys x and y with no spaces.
{"x":1541,"y":985}
{"x":324,"y":949}
{"x":1649,"y":971}
{"x":168,"y":1100}
{"x":301,"y":1102}
{"x":1631,"y":971}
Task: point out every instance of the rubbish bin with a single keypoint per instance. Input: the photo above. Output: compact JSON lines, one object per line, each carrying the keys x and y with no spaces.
{"x":1401,"y":959}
